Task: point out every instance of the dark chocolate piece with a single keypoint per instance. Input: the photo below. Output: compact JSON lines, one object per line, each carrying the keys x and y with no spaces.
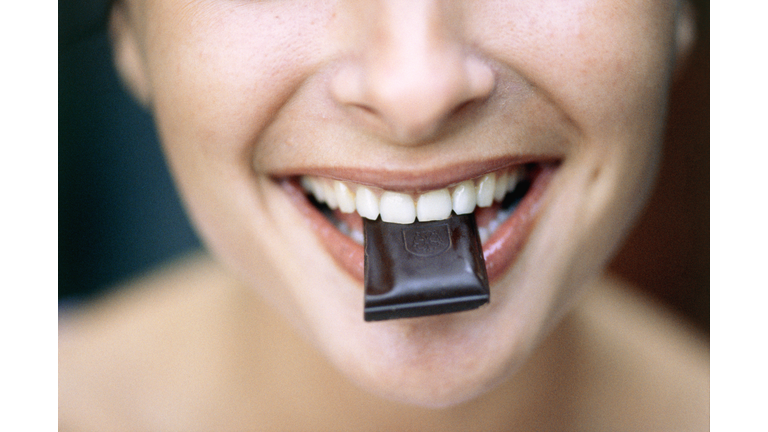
{"x":423,"y":268}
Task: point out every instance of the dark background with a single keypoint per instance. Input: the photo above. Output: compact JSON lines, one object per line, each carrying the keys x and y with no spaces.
{"x":119,"y":213}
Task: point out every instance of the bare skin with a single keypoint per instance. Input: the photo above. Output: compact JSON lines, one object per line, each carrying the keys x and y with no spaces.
{"x":137,"y":361}
{"x":402,"y":96}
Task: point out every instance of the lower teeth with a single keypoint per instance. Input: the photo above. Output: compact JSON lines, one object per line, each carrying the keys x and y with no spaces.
{"x":355,"y":235}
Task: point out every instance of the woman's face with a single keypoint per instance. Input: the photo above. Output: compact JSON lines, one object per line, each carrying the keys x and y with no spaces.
{"x":408,"y":96}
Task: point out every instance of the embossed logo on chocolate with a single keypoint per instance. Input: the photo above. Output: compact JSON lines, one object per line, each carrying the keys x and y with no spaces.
{"x":427,"y":241}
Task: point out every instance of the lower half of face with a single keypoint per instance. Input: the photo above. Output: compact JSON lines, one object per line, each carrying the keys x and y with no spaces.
{"x":308,"y":263}
{"x":544,"y":122}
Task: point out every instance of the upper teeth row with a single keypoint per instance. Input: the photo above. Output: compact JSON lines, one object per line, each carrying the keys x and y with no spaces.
{"x":403,"y":208}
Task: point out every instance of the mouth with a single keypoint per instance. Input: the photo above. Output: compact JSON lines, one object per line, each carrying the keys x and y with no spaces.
{"x":505,"y":203}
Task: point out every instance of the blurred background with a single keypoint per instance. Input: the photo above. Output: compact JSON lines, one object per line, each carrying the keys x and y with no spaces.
{"x":119,"y":214}
{"x":118,"y":211}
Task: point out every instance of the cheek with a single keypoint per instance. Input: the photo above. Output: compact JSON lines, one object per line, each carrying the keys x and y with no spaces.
{"x":606,"y":65}
{"x":602,"y":61}
{"x":220,"y":70}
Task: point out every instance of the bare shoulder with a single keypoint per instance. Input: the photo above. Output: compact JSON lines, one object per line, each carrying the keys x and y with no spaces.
{"x":114,"y":352}
{"x":155,"y":298}
{"x":187,"y":347}
{"x":644,"y":368}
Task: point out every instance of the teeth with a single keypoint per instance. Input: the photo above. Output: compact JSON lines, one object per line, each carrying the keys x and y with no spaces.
{"x":485,"y":190}
{"x":313,"y":185}
{"x":435,"y":205}
{"x":500,"y":188}
{"x":330,"y":195}
{"x":367,"y":203}
{"x":345,"y":197}
{"x":395,"y":207}
{"x":484,"y":233}
{"x":514,"y":179}
{"x":464,"y":198}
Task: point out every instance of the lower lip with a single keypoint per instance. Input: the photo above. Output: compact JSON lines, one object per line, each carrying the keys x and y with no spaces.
{"x":499,"y":251}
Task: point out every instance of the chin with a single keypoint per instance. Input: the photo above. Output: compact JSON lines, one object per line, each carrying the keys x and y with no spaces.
{"x":446,"y":360}
{"x":434,"y":362}
{"x":554,"y":242}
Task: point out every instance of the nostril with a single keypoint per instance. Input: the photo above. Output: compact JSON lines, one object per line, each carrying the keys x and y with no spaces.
{"x":464,"y":107}
{"x":365,"y":108}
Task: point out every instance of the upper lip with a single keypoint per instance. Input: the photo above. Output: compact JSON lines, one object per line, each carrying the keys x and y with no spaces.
{"x":417,"y":179}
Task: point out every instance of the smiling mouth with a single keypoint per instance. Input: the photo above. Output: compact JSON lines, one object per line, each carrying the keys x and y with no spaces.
{"x":505,"y":203}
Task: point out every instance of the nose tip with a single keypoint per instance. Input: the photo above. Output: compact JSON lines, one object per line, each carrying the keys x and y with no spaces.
{"x":414,"y":75}
{"x":417,"y":99}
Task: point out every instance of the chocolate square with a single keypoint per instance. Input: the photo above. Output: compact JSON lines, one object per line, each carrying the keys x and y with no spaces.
{"x":423,"y":268}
